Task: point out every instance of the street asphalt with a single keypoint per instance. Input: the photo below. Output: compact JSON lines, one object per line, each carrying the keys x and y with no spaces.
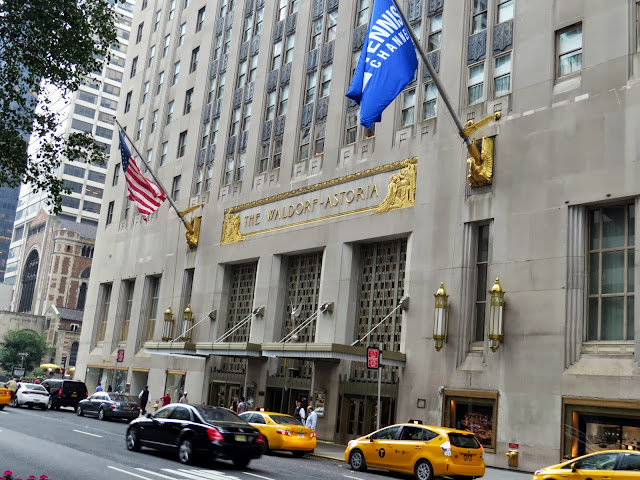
{"x":63,"y":446}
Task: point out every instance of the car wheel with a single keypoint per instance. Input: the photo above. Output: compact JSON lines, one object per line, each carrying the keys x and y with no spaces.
{"x":185,"y":451}
{"x":241,"y":462}
{"x":79,"y":411}
{"x":423,"y":470}
{"x":265,"y":450}
{"x":14,"y":403}
{"x":298,"y":454}
{"x":1,"y":407}
{"x":101,"y":415}
{"x":133,"y":440}
{"x":357,"y":462}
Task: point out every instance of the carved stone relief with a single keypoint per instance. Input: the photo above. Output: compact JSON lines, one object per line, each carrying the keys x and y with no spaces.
{"x":243,"y":141}
{"x":231,"y":145}
{"x":248,"y":8}
{"x":435,"y":6}
{"x":206,"y":113}
{"x":333,"y":4}
{"x":223,"y":62}
{"x":214,"y":69}
{"x":277,"y":31}
{"x":502,"y":37}
{"x":285,"y":74}
{"x":291,"y":23}
{"x":477,"y":47}
{"x":259,"y":4}
{"x":272,"y":80}
{"x":244,"y":52}
{"x":266,"y":130}
{"x":255,"y":45}
{"x":201,"y":155}
{"x":327,"y":53}
{"x":212,"y":154}
{"x":217,"y":106}
{"x":312,"y":59}
{"x":248,"y":91}
{"x":318,"y":8}
{"x":237,"y":97}
{"x":359,"y":35}
{"x":414,"y":10}
{"x":434,"y":60}
{"x":307,"y":115}
{"x":219,"y":26}
{"x":279,"y":127}
{"x":323,"y":108}
{"x":229,"y":18}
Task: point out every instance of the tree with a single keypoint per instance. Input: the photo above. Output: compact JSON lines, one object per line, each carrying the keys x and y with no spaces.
{"x":47,"y":48}
{"x":19,"y":341}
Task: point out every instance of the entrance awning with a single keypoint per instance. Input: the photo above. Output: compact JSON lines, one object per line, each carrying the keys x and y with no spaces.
{"x":329,"y":351}
{"x":177,"y":349}
{"x":228,"y":349}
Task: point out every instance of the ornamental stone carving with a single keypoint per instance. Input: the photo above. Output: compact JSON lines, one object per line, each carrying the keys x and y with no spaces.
{"x":333,"y":4}
{"x":219,"y":26}
{"x":285,"y":74}
{"x":244,"y":51}
{"x":229,"y":19}
{"x":434,"y":60}
{"x":312,"y":59}
{"x":291,"y":23}
{"x":231,"y":229}
{"x":318,"y":8}
{"x":217,"y":106}
{"x":212,"y":154}
{"x":248,"y":8}
{"x":307,"y":115}
{"x":414,"y":10}
{"x":435,"y":6}
{"x":201,"y":155}
{"x":255,"y":45}
{"x":223,"y":63}
{"x":327,"y":53}
{"x":213,"y":70}
{"x":279,"y":127}
{"x":323,"y":108}
{"x":248,"y":92}
{"x":277,"y":31}
{"x":359,"y":35}
{"x":272,"y":80}
{"x":242,"y":147}
{"x":206,"y":113}
{"x":502,"y":37}
{"x":237,"y":97}
{"x":266,"y":130}
{"x":477,"y":47}
{"x":231,"y":145}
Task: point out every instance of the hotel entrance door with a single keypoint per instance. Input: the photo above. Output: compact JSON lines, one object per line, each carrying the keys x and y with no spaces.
{"x":358,"y":415}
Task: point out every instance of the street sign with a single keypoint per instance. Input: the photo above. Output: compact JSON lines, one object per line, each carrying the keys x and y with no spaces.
{"x":120,"y":358}
{"x":23,"y":354}
{"x":18,"y":372}
{"x":373,"y":358}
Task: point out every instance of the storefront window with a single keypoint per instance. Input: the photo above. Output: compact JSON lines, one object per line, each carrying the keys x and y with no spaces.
{"x":595,"y":425}
{"x":175,"y":385}
{"x":475,"y":412}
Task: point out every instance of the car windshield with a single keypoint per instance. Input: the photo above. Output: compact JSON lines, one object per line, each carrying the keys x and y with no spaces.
{"x":118,"y":397}
{"x":285,"y":420}
{"x":34,"y":387}
{"x":216,"y":414}
{"x":463,"y":441}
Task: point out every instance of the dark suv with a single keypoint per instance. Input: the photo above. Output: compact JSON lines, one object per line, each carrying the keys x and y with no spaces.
{"x":65,"y":393}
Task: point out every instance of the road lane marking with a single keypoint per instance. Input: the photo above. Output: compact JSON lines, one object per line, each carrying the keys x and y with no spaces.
{"x":149,"y":472}
{"x":87,"y":433}
{"x":5,"y":413}
{"x":259,"y":476}
{"x":210,"y":474}
{"x":178,"y":472}
{"x":348,"y":476}
{"x":129,"y":473}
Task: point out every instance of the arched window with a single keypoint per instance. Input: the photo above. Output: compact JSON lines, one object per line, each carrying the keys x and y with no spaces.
{"x":86,"y":272}
{"x":82,"y":296}
{"x":29,"y":276}
{"x":73,"y":354}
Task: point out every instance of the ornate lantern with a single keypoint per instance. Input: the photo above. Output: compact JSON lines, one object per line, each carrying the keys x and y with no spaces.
{"x":440,"y":317}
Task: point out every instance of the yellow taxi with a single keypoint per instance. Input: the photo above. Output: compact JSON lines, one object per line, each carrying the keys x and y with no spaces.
{"x":282,"y":432}
{"x":607,"y":464}
{"x":422,"y":450}
{"x":5,"y":397}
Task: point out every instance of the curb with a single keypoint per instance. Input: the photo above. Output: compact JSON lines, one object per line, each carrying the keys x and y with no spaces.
{"x":329,"y":457}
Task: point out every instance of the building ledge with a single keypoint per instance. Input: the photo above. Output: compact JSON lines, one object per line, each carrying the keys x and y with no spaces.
{"x":329,"y":351}
{"x":228,"y":349}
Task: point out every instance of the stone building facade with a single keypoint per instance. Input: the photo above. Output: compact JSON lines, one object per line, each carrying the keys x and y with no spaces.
{"x":315,"y":231}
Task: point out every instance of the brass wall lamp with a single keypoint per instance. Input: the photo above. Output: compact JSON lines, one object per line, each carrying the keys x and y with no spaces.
{"x":167,"y":326}
{"x":496,"y":316}
{"x":440,"y":317}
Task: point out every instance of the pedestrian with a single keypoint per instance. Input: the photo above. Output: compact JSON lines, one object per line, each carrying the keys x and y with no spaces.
{"x":234,"y":406}
{"x":36,"y":381}
{"x":312,"y":418}
{"x":109,"y":389}
{"x":166,"y":399}
{"x":99,"y":387}
{"x":184,"y":399}
{"x":242,"y":406}
{"x":144,"y":399}
{"x":298,"y":413}
{"x":12,"y":385}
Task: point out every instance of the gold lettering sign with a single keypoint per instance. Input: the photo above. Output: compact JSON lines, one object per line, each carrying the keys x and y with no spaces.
{"x":349,"y":195}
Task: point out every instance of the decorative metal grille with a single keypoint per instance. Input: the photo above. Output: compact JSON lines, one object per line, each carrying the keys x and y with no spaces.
{"x":242,"y":288}
{"x":303,"y":288}
{"x":382,"y":270}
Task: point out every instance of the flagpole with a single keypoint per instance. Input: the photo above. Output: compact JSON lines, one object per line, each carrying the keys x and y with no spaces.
{"x":157,"y":180}
{"x":436,"y":80}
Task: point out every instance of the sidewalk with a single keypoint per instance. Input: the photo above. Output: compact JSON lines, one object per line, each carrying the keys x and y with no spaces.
{"x":334,"y":451}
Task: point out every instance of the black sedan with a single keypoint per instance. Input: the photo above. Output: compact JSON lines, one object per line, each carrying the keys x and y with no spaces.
{"x":106,"y":405}
{"x":197,"y":430}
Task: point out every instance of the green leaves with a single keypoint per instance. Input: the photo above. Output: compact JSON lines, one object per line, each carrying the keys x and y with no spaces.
{"x":22,"y":341}
{"x":47,"y":48}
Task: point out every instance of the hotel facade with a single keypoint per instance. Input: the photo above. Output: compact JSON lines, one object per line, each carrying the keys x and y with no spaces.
{"x":312,"y":238}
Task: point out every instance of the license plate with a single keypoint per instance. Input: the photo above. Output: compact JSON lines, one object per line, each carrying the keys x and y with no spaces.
{"x":74,"y":394}
{"x":127,"y":408}
{"x":240,"y":438}
{"x":467,"y":458}
{"x":301,"y":435}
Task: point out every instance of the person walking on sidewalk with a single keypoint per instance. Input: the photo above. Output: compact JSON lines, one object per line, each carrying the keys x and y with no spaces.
{"x":312,"y":418}
{"x":184,"y":399}
{"x":144,"y":399}
{"x":242,"y":406}
{"x":166,"y":399}
{"x":298,"y":413}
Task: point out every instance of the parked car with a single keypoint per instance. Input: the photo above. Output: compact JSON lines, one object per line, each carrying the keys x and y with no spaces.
{"x":31,"y":395}
{"x":282,"y":432}
{"x":5,"y":397}
{"x":618,"y":464}
{"x":422,"y":450}
{"x":65,"y":393}
{"x":197,"y":430}
{"x":107,"y":405}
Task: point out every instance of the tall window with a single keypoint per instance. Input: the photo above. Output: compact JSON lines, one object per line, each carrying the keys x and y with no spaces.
{"x":505,"y":10}
{"x":126,"y":309}
{"x":110,"y":213}
{"x":502,"y":75}
{"x":154,"y":120}
{"x":476,"y":83}
{"x":200,"y":20}
{"x":435,"y":32}
{"x":145,"y":92}
{"x":183,"y":32}
{"x":163,"y":155}
{"x":482,"y":263}
{"x":188,"y":101}
{"x":103,"y":312}
{"x":479,"y":16}
{"x":569,"y":47}
{"x":429,"y":101}
{"x":28,"y":283}
{"x":175,"y":188}
{"x":363,"y":12}
{"x":140,"y":128}
{"x":152,"y":307}
{"x":611,"y":273}
{"x":152,"y":54}
{"x":134,"y":67}
{"x":127,"y":102}
{"x":160,"y":82}
{"x":182,"y":144}
{"x":170,"y":112}
{"x":176,"y":72}
{"x":195,"y":55}
{"x":157,"y":22}
{"x":167,"y":43}
{"x":139,"y":35}
{"x":408,"y":107}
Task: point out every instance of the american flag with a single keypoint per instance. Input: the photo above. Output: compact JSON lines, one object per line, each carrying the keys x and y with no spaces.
{"x":146,"y":195}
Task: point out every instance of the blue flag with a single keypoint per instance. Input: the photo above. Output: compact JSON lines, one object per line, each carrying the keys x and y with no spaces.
{"x":386,"y":65}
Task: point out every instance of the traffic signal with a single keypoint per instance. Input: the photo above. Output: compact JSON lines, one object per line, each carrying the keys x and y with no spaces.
{"x":62,"y":371}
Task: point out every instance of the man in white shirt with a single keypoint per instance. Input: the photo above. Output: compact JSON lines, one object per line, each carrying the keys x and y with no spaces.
{"x":299,"y":411}
{"x":312,"y":418}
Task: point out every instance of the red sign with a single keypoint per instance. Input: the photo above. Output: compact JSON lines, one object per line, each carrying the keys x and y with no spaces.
{"x":120,"y":356}
{"x":373,"y":358}
{"x":514,"y":446}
